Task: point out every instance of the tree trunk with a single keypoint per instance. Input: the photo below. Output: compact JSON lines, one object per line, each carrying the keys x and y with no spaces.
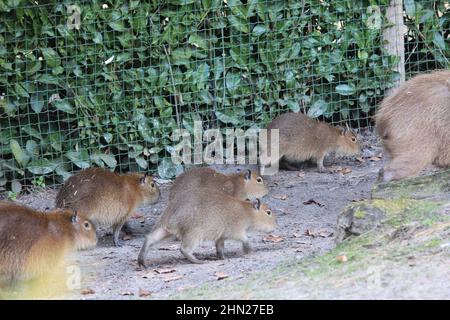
{"x":393,"y":38}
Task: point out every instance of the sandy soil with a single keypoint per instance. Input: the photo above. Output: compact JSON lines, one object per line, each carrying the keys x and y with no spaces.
{"x":307,"y":204}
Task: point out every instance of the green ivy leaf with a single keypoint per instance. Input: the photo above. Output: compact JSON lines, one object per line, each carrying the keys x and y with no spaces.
{"x":20,"y":90}
{"x":345,"y":89}
{"x":51,"y":57}
{"x":64,"y":106}
{"x":239,"y":24}
{"x":47,"y":79}
{"x":181,"y":2}
{"x":231,"y":115}
{"x":21,"y":157}
{"x":142,"y":163}
{"x":293,"y":105}
{"x":108,"y":159}
{"x":118,"y":26}
{"x":16,"y":186}
{"x":233,"y":81}
{"x":167,"y":169}
{"x":32,"y":148}
{"x":198,"y":41}
{"x":37,"y":102}
{"x":439,"y":40}
{"x":33,"y":67}
{"x":259,"y":30}
{"x":318,"y":108}
{"x":80,"y":158}
{"x":41,"y":166}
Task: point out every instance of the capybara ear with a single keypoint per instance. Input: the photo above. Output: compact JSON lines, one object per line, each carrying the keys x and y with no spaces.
{"x":341,"y":130}
{"x":257,"y":204}
{"x":248,"y":174}
{"x":347,"y":128}
{"x":143,"y":179}
{"x":74,"y":217}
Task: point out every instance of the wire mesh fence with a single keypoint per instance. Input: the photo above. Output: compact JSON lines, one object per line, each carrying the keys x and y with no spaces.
{"x":105,"y":83}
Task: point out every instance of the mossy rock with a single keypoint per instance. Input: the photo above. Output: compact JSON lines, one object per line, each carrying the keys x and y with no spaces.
{"x":435,"y":186}
{"x":364,"y":216}
{"x":395,"y":204}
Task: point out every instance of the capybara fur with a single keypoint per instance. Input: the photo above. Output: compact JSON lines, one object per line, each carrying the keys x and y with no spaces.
{"x":302,"y":138}
{"x":242,"y":185}
{"x":414,"y":125}
{"x":33,"y":243}
{"x":207,"y":214}
{"x":107,"y":198}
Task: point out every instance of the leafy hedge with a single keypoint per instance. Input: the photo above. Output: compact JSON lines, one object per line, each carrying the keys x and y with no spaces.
{"x":111,"y":90}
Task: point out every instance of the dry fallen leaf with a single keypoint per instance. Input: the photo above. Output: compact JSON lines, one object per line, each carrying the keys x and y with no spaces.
{"x":346,"y":170}
{"x":127,"y":293}
{"x":172,"y":247}
{"x":165,"y":270}
{"x":179,"y":289}
{"x":309,"y":233}
{"x":342,"y":258}
{"x":144,"y":293}
{"x":301,"y":174}
{"x":273,"y":238}
{"x":375,"y":158}
{"x":296,"y":235}
{"x":360,"y":159}
{"x":325,"y":234}
{"x":172,"y":278}
{"x":221,"y":275}
{"x":87,"y":291}
{"x":312,"y":201}
{"x":283,"y":197}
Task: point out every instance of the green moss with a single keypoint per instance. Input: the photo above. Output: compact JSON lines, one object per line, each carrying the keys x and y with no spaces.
{"x":426,"y":187}
{"x":359,"y":214}
{"x":433,"y":243}
{"x":401,"y":211}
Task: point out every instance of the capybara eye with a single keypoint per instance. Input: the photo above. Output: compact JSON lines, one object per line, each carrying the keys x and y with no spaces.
{"x":259,"y":180}
{"x":86,"y":225}
{"x":152,"y":184}
{"x":269,"y":213}
{"x":353,"y":139}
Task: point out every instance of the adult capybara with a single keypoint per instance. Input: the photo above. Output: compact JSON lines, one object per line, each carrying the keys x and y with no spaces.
{"x":414,"y":123}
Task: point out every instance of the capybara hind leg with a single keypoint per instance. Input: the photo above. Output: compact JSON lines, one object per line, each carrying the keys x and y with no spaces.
{"x":116,"y":233}
{"x":188,"y":244}
{"x":269,"y":168}
{"x":220,"y":248}
{"x":404,"y":167}
{"x":127,"y":230}
{"x":153,"y":237}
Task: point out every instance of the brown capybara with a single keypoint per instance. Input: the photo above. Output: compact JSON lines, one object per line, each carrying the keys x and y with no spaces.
{"x":208,"y":214}
{"x":107,"y":198}
{"x":302,"y":138}
{"x":33,"y":243}
{"x":414,"y":124}
{"x":242,"y":185}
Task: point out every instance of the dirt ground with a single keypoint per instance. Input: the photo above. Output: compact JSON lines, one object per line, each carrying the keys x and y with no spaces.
{"x":306,"y":203}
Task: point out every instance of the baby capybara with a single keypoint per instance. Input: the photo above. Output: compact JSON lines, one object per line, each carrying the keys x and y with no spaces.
{"x":34,"y":243}
{"x":414,"y":123}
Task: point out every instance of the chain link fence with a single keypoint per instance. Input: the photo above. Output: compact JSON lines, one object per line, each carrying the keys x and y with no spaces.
{"x":105,"y":83}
